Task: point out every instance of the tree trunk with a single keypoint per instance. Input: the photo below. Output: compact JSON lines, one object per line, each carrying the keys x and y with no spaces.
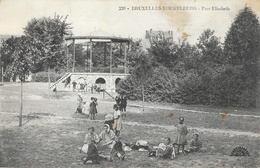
{"x":49,"y":80}
{"x":21,"y":105}
{"x":143,"y":94}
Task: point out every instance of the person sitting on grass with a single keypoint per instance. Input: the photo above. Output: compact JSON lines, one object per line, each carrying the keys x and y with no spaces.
{"x":91,"y":136}
{"x":92,"y":153}
{"x":182,"y":131}
{"x":117,"y":149}
{"x":164,"y":150}
{"x":108,"y":136}
{"x":195,"y":144}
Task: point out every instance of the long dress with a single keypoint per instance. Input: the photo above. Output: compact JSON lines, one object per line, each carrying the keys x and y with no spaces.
{"x":181,"y":136}
{"x":117,"y":120}
{"x":93,"y":108}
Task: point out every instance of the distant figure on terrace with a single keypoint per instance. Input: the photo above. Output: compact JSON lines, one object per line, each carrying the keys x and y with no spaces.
{"x":93,"y":108}
{"x":79,"y":103}
{"x":74,"y":85}
{"x":182,"y":131}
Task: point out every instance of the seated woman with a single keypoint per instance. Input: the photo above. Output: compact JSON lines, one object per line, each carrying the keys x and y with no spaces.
{"x":107,"y":135}
{"x":195,"y":144}
{"x":164,"y":150}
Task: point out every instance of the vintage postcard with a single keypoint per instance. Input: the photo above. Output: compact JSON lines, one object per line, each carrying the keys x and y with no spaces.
{"x":130,"y":83}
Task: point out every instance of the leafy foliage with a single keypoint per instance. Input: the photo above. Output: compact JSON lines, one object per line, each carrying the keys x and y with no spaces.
{"x":20,"y":55}
{"x":205,"y":73}
{"x":48,"y":37}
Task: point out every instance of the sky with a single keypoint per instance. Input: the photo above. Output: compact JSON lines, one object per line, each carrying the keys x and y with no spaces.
{"x":86,"y":16}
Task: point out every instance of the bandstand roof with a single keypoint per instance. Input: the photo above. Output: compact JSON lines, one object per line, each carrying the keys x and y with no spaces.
{"x":100,"y":35}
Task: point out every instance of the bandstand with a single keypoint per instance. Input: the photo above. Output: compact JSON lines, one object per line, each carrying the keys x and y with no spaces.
{"x":104,"y":80}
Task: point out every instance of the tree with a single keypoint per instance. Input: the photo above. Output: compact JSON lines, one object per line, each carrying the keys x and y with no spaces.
{"x":21,"y":55}
{"x":140,"y":67}
{"x":241,"y":49}
{"x":210,"y":48}
{"x":48,"y":36}
{"x":164,"y":51}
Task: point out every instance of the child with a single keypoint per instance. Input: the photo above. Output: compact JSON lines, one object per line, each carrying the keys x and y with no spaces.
{"x":93,"y":108}
{"x":166,"y":150}
{"x":195,"y":144}
{"x":89,"y":147}
{"x":92,"y":153}
{"x":109,"y":120}
{"x":117,"y":149}
{"x":117,"y":120}
{"x":181,"y":136}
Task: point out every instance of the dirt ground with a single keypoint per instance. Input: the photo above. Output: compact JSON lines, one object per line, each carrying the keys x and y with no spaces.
{"x":52,"y":133}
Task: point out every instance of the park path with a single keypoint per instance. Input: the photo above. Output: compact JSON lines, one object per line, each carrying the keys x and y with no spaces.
{"x":181,"y":109}
{"x":170,"y":128}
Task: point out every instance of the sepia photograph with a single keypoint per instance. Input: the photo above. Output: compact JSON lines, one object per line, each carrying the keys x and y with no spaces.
{"x":130,"y":83}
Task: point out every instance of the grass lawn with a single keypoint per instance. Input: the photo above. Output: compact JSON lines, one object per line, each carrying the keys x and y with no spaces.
{"x":51,"y":132}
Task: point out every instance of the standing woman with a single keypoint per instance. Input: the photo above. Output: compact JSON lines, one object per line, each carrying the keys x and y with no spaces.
{"x":182,"y":131}
{"x":93,"y":108}
{"x":117,"y":120}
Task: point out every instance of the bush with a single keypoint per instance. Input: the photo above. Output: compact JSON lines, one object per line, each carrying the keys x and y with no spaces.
{"x":43,"y":76}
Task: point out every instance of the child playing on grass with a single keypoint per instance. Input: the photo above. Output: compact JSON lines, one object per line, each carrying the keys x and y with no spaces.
{"x":117,"y":149}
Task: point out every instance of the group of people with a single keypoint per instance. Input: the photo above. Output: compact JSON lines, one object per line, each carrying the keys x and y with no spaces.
{"x":168,"y":150}
{"x":109,"y":138}
{"x":82,"y":106}
{"x":83,"y":86}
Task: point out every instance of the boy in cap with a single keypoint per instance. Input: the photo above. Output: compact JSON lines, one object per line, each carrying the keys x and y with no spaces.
{"x":195,"y":144}
{"x":182,"y":131}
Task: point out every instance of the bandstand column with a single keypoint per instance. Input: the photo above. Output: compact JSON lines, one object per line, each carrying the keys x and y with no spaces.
{"x":90,"y":63}
{"x":105,"y":53}
{"x":67,"y":58}
{"x":125,"y":58}
{"x":73,"y":66}
{"x":111,"y":57}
